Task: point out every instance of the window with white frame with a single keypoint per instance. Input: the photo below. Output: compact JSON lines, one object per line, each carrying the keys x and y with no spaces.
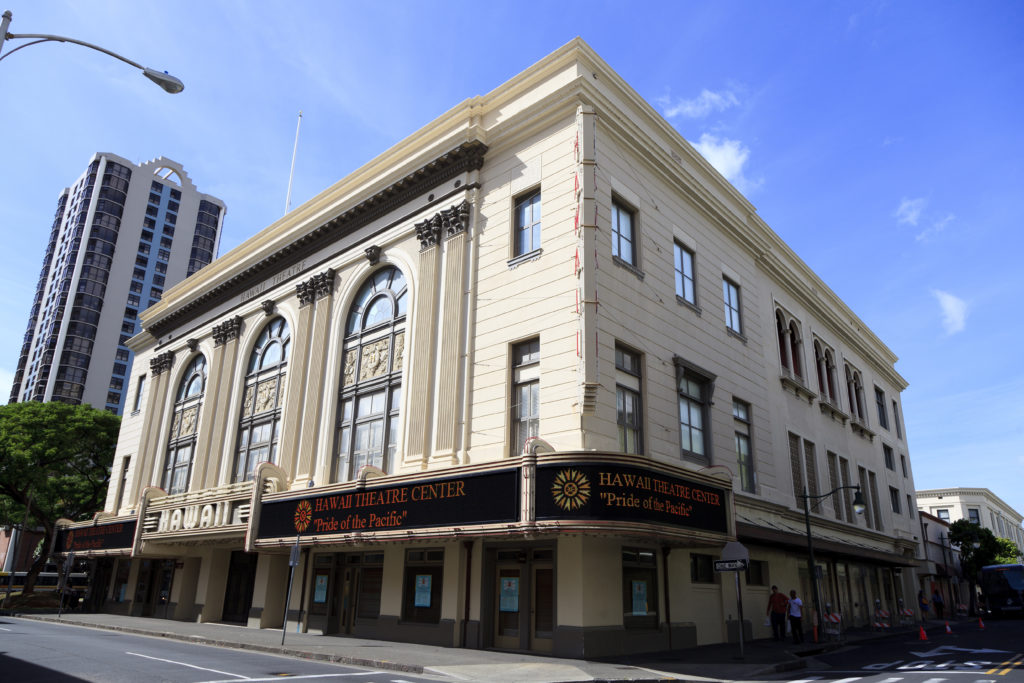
{"x":525,"y":416}
{"x":744,"y":453}
{"x":527,"y":223}
{"x":695,"y":389}
{"x":731,"y":301}
{"x":371,"y":382}
{"x":184,"y":427}
{"x":624,"y":244}
{"x":628,"y":411}
{"x":262,"y":400}
{"x":685,"y":285}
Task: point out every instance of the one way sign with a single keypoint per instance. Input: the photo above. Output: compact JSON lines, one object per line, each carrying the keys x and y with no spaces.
{"x":730,"y":565}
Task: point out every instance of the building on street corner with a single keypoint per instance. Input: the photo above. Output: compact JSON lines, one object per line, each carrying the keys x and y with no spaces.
{"x":513,"y":384}
{"x":977,"y":505}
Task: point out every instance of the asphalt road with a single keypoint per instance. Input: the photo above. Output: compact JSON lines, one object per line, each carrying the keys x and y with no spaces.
{"x":38,"y":652}
{"x":967,"y":655}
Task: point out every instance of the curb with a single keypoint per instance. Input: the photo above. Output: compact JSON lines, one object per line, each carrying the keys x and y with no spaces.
{"x":235,"y":645}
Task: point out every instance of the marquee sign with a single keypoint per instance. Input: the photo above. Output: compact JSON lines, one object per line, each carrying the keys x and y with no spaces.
{"x":613,"y":492}
{"x":486,"y":498}
{"x":112,"y":536}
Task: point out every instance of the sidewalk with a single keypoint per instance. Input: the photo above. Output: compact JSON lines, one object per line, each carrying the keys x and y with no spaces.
{"x":710,"y":662}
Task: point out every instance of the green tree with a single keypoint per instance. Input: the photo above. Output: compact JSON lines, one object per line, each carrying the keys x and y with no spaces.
{"x":1008,"y":553}
{"x":55,"y":462}
{"x":978,"y":547}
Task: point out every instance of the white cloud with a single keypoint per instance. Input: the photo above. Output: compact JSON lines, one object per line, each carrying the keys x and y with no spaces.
{"x":700,"y":106}
{"x":6,"y":381}
{"x":954,"y":311}
{"x":936,"y":227}
{"x":727,"y":156}
{"x":909,"y":210}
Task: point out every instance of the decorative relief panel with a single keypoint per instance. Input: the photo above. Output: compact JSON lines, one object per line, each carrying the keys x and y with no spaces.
{"x":350,"y":368}
{"x":266,"y":395}
{"x":188,"y":420}
{"x":399,"y":351}
{"x":175,"y":425}
{"x":247,"y":402}
{"x":374,"y":359}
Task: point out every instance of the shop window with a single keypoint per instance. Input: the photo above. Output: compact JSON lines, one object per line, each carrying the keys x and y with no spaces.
{"x":702,"y":568}
{"x":639,"y":588}
{"x":424,"y":575}
{"x":371,"y":579}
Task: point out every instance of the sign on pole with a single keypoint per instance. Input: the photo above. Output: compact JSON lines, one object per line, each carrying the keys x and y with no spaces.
{"x":730,"y":565}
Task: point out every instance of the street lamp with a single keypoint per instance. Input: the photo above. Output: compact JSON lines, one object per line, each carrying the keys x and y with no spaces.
{"x":859,"y":506}
{"x":161,"y":78}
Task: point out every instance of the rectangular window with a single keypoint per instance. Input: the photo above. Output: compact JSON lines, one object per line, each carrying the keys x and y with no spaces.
{"x":685,"y":289}
{"x":757,"y":573}
{"x":639,"y":588}
{"x":527,"y":224}
{"x":525,"y":393}
{"x":832,"y":461}
{"x":744,"y":455}
{"x":883,"y":416}
{"x":140,"y":384}
{"x":875,"y":503}
{"x":894,"y":498}
{"x":890,"y":458}
{"x":629,"y":415}
{"x":694,"y":387}
{"x":973,"y":515}
{"x":943,"y":514}
{"x":731,"y":299}
{"x":623,"y":234}
{"x":424,"y":575}
{"x":903,"y":464}
{"x":896,"y":419}
{"x":910,"y":506}
{"x":862,"y":475}
{"x":702,"y":568}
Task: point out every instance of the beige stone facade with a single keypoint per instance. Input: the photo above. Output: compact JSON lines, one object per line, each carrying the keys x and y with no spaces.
{"x":977,"y":505}
{"x":515,"y":383}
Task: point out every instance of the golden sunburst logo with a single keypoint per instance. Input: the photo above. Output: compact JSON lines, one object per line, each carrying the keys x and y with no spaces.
{"x":303,"y":515}
{"x":571,"y":490}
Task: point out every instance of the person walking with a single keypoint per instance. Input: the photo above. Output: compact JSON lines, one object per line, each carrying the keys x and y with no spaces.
{"x":777,"y":606}
{"x":937,"y":603}
{"x":796,"y":617}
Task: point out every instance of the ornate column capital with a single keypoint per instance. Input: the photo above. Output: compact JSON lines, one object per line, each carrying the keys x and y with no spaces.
{"x":161,"y":363}
{"x":227,"y":330}
{"x":451,"y":221}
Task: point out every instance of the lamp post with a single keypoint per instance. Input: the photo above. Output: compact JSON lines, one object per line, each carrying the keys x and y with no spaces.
{"x":858,"y":507}
{"x":161,"y":78}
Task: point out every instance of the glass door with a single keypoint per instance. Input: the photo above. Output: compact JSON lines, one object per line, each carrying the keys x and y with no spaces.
{"x":507,"y":623}
{"x":543,"y":613}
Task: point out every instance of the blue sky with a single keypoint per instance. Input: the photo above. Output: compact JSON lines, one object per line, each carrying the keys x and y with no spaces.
{"x":881,"y":140}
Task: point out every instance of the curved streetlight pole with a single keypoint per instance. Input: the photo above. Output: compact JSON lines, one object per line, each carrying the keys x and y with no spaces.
{"x":161,"y":78}
{"x":858,"y":507}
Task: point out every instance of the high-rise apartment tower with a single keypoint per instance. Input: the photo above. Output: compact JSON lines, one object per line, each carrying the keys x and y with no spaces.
{"x":122,"y":233}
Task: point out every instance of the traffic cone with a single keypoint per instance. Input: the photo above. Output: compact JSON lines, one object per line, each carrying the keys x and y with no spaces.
{"x":981,"y":624}
{"x":923,"y":635}
{"x":949,"y":631}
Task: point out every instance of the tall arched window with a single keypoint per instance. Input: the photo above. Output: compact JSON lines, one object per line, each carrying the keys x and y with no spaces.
{"x":371,"y":381}
{"x":796,"y":349}
{"x":264,"y":392}
{"x":184,"y":425}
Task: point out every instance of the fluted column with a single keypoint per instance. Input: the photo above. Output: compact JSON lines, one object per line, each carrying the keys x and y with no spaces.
{"x":151,"y":451}
{"x":313,"y":374}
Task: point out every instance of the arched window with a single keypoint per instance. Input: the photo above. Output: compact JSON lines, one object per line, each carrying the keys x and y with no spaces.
{"x":371,"y":380}
{"x":184,"y":425}
{"x":795,"y":344}
{"x":260,"y":422}
{"x":819,"y":365}
{"x":780,"y":331}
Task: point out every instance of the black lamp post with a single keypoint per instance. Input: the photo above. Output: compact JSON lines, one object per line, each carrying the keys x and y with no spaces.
{"x":858,"y":507}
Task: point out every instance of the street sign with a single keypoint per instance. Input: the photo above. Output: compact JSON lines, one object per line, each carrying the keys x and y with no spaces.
{"x":730,"y":565}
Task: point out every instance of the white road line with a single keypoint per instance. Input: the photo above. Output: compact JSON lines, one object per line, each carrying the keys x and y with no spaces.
{"x":191,"y":666}
{"x":4,"y":629}
{"x":890,"y":680}
{"x":934,"y":680}
{"x":302,"y":677}
{"x":848,"y":680}
{"x":806,"y":680}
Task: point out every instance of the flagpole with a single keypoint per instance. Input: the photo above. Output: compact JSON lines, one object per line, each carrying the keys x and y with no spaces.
{"x":291,"y":174}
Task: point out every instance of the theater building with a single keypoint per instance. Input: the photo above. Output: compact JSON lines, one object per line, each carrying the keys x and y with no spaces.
{"x":513,"y":384}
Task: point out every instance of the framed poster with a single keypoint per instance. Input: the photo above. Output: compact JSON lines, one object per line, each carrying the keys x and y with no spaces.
{"x":320,"y":588}
{"x":422,"y":598}
{"x":639,"y":598}
{"x":509,"y":599}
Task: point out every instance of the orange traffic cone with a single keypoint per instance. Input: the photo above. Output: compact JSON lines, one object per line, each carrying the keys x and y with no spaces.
{"x":949,"y":631}
{"x":981,"y":624}
{"x":923,"y":635}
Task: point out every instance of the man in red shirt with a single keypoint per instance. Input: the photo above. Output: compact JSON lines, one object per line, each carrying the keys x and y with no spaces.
{"x":777,"y":603}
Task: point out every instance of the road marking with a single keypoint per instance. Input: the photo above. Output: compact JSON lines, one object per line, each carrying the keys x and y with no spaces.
{"x":191,"y":666}
{"x":809,"y":680}
{"x":301,"y":677}
{"x":4,"y":629}
{"x":934,"y":680}
{"x":1010,"y":664}
{"x":890,"y":680}
{"x":849,"y":680}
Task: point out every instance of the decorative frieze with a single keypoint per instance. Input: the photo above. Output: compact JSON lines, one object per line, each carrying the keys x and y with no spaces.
{"x":161,"y":363}
{"x":227,"y":330}
{"x":450,"y":222}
